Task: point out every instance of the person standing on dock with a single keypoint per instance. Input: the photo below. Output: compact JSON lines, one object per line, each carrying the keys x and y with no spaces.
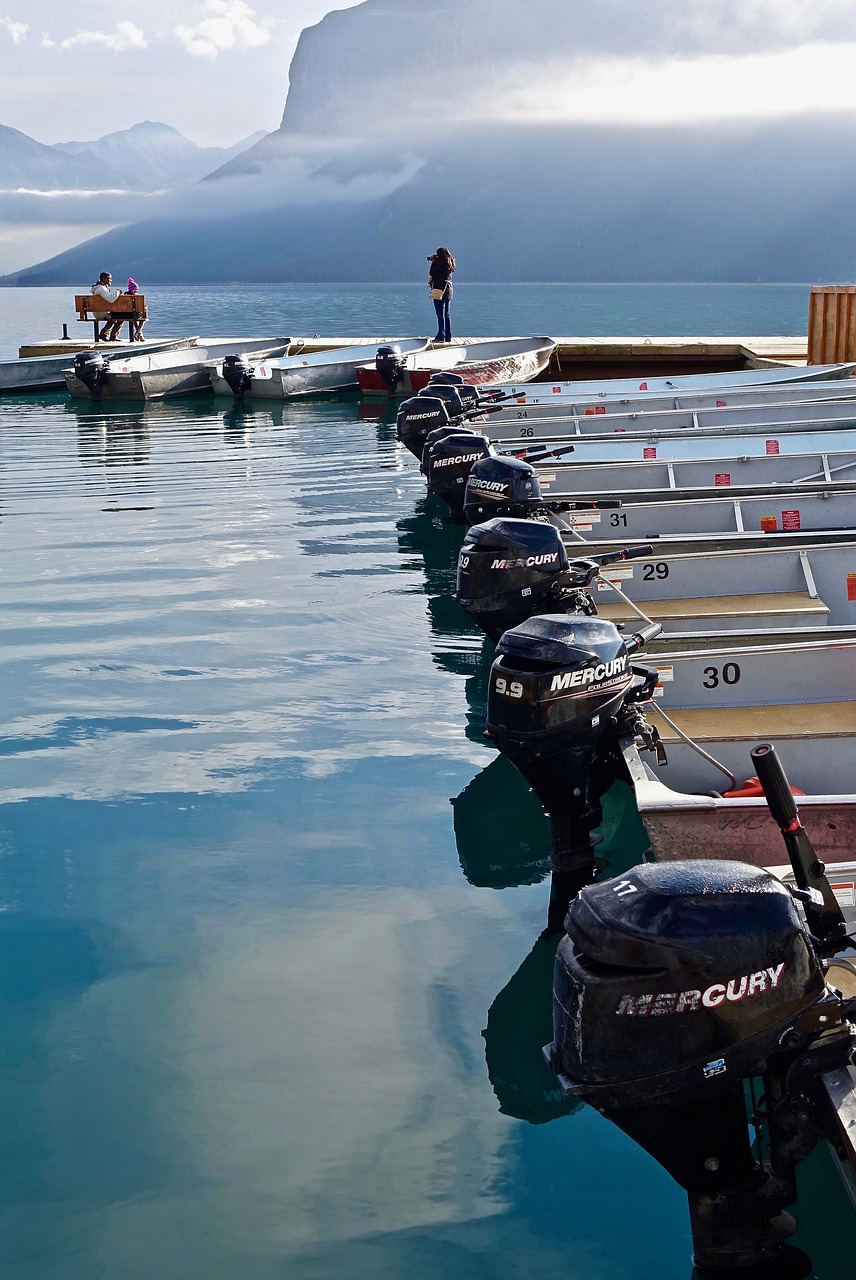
{"x":440,"y":289}
{"x":103,"y":289}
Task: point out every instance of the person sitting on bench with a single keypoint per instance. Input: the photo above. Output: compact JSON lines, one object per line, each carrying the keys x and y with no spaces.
{"x":102,"y":289}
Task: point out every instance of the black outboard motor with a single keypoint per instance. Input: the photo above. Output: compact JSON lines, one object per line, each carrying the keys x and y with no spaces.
{"x":510,"y":570}
{"x":499,"y":485}
{"x":557,"y":687}
{"x":237,"y":372}
{"x":459,"y":394}
{"x":416,"y":418}
{"x":446,"y":379}
{"x":91,"y":368}
{"x":451,"y":397}
{"x":447,"y":464}
{"x":389,"y":363}
{"x":674,"y":985}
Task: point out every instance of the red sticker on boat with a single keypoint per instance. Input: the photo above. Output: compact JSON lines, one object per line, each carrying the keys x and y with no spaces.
{"x":791,"y":520}
{"x":722,"y":479}
{"x":600,"y":408}
{"x":643,"y":386}
{"x":650,"y":451}
{"x":771,"y":446}
{"x":619,"y":431}
{"x":557,"y":391}
{"x":769,"y":524}
{"x":851,"y":586}
{"x":720,"y":404}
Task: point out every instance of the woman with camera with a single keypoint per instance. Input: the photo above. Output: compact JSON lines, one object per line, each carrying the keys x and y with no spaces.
{"x":440,"y":289}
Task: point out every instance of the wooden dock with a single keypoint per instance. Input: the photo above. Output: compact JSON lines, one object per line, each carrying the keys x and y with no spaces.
{"x":576,"y":357}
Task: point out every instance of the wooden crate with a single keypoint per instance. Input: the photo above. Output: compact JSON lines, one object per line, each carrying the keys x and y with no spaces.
{"x":832,"y":324}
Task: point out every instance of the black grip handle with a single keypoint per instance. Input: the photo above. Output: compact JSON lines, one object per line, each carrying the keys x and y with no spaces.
{"x":631,"y":553}
{"x":774,"y":784}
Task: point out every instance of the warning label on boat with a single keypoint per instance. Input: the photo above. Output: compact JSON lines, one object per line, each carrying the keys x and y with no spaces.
{"x":791,"y":520}
{"x":722,"y":479}
{"x":771,"y":446}
{"x":851,"y":586}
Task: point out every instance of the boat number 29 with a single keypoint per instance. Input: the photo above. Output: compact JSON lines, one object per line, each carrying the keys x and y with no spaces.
{"x":511,"y":688}
{"x":652,"y":571}
{"x":727,"y":674}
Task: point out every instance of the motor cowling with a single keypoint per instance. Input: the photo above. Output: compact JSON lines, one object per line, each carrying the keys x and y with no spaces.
{"x":557,"y":679}
{"x":447,"y":464}
{"x":499,"y":483}
{"x":416,"y":418}
{"x":675,"y":978}
{"x":91,"y":368}
{"x":237,"y":372}
{"x":445,"y":378}
{"x":390,"y":364}
{"x":468,"y":396}
{"x":451,"y":396}
{"x":508,"y":571}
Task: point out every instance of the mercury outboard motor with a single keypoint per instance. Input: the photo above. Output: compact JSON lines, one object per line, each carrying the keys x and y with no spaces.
{"x":447,"y":379}
{"x":459,"y":397}
{"x":676,"y":985}
{"x":237,"y":372}
{"x":499,"y":485}
{"x":91,"y":368}
{"x":451,"y":397}
{"x":557,"y":687}
{"x":509,"y":570}
{"x":447,"y":464}
{"x":416,"y":418}
{"x":389,"y":363}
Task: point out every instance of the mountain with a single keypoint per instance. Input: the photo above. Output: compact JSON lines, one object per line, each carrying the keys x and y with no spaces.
{"x":30,"y":164}
{"x":401,"y":131}
{"x":150,"y":155}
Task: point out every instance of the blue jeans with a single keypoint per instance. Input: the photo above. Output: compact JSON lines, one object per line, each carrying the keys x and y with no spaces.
{"x":441,"y":306}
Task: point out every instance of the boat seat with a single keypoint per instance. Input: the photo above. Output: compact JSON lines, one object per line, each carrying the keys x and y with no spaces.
{"x":793,"y":720}
{"x":760,"y":605}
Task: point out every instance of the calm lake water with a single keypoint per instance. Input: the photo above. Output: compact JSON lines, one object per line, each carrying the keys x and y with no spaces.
{"x":271,"y":992}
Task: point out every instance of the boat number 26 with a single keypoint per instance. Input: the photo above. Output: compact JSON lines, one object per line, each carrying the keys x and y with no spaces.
{"x":729,"y":673}
{"x":511,"y":688}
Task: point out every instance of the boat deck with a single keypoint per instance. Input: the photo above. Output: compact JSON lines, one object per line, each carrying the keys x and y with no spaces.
{"x":757,"y":605}
{"x":794,"y":720}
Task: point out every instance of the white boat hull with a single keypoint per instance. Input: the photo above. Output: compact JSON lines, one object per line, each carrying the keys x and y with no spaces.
{"x":313,"y":373}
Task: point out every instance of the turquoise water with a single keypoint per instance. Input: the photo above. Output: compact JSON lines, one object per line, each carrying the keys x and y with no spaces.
{"x":481,"y":310}
{"x":271,"y":991}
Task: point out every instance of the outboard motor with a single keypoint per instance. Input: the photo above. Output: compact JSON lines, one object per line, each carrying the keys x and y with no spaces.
{"x":451,"y":397}
{"x":389,"y":363}
{"x":499,"y":485}
{"x":510,"y":570}
{"x":91,"y":368}
{"x":237,"y":372}
{"x":447,"y":464}
{"x":467,"y":397}
{"x":675,"y":985}
{"x":416,"y":418}
{"x":557,"y":687}
{"x":447,"y":379}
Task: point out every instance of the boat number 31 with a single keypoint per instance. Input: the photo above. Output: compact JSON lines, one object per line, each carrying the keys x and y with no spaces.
{"x":727,"y":674}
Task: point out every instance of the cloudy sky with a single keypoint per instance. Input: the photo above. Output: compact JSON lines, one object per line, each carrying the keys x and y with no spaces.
{"x":216,"y":70}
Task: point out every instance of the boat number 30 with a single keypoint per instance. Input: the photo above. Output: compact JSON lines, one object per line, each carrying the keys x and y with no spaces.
{"x":727,"y":674}
{"x":511,"y":688}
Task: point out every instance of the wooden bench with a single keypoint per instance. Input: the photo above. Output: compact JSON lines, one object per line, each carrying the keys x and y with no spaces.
{"x":130,"y":307}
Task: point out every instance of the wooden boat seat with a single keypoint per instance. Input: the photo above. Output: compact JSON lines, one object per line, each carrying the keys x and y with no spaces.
{"x":759,"y":605}
{"x":794,"y":720}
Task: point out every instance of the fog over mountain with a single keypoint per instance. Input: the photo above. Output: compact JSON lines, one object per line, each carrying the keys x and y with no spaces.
{"x":526,"y":147}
